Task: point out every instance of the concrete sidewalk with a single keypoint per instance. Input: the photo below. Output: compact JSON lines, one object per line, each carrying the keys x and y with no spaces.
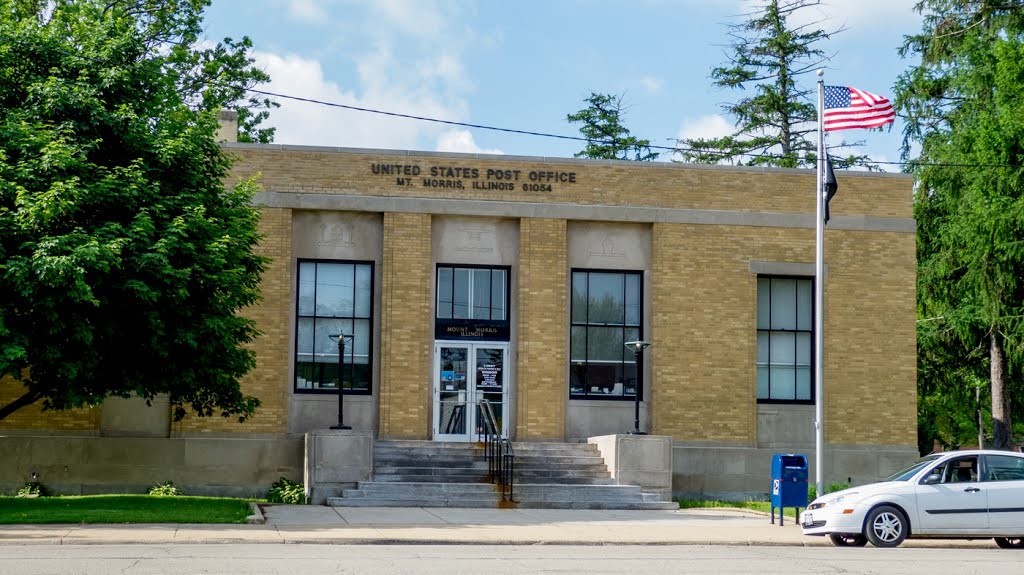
{"x":380,"y":525}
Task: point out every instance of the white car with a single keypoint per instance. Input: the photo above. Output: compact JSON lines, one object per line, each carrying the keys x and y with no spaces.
{"x":959,"y":494}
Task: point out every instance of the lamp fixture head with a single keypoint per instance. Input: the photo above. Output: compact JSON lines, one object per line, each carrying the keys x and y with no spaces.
{"x":638,"y":345}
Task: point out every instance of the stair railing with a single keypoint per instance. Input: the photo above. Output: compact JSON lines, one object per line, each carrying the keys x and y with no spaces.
{"x":501,"y":458}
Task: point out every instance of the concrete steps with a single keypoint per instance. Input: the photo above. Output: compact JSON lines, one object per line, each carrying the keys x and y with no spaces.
{"x":411,"y":473}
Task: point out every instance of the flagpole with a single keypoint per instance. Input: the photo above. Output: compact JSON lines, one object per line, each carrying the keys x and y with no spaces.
{"x":819,"y":299}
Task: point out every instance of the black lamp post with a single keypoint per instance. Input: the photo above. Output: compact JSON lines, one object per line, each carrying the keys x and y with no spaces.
{"x":340,"y":338}
{"x":638,"y":348}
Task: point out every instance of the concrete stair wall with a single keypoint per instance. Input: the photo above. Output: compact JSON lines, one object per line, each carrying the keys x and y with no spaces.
{"x":442,"y":474}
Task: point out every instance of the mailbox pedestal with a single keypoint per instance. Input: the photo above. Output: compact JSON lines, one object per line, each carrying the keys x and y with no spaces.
{"x":789,"y":483}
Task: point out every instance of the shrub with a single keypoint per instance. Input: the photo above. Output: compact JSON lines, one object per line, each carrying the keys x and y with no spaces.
{"x":286,"y":491}
{"x":812,"y":491}
{"x":166,"y":488}
{"x":33,"y":489}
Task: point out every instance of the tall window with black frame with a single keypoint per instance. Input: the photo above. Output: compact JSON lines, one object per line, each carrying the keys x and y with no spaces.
{"x":606,"y":312}
{"x":785,"y":336}
{"x":334,"y":297}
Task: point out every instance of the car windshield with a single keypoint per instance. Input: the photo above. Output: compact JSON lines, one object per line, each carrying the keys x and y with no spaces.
{"x":906,"y":473}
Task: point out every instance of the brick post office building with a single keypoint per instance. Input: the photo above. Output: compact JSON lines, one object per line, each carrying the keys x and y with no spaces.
{"x":518,"y":279}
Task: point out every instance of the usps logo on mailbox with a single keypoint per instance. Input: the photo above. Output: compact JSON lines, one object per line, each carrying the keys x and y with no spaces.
{"x":775,"y":487}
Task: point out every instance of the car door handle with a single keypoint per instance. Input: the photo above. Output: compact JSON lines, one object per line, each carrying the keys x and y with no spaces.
{"x":972,"y":490}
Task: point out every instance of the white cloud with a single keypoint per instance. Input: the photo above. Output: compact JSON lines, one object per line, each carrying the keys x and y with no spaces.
{"x":651,"y":84}
{"x":309,"y":11}
{"x":399,"y":56}
{"x":423,"y":18}
{"x":318,"y":125}
{"x":461,"y":141}
{"x":713,"y":126}
{"x":864,"y":14}
{"x":854,"y":14}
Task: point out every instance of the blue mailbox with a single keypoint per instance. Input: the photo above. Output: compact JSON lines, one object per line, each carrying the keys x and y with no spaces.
{"x":789,"y":482}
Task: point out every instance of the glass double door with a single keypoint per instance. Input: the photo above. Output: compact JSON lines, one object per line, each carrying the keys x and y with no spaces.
{"x":465,"y":373}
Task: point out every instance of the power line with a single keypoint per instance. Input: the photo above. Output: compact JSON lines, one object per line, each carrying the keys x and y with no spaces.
{"x":675,"y":149}
{"x":497,"y":128}
{"x":428,"y":119}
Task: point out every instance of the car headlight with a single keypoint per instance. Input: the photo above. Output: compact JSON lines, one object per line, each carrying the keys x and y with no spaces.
{"x":822,"y":503}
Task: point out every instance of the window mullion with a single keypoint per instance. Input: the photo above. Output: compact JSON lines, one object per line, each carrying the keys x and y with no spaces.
{"x":350,"y":360}
{"x":471,"y":293}
{"x":586,"y":333}
{"x":452,"y":294}
{"x":622,"y":329}
{"x":770,"y":325}
{"x":490,"y":294}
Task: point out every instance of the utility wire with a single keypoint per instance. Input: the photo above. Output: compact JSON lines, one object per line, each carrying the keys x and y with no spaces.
{"x":507,"y":130}
{"x":582,"y":139}
{"x":673,"y":149}
{"x":427,"y":119}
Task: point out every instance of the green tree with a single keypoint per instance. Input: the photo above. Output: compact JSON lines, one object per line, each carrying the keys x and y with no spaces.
{"x":952,"y":392}
{"x":123,"y":258}
{"x":962,"y":103}
{"x":776,"y":125}
{"x":607,"y":139}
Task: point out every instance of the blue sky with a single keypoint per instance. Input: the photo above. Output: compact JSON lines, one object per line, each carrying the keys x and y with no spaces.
{"x":526,"y":64}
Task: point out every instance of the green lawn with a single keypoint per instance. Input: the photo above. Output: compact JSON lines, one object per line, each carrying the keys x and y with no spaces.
{"x":122,"y":509}
{"x":763,"y":506}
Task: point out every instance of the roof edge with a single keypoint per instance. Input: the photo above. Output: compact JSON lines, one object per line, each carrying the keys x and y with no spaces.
{"x":546,"y":159}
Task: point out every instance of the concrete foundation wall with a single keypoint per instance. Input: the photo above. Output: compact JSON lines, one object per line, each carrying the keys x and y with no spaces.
{"x":335,"y":460}
{"x":131,"y":417}
{"x":643,"y":460}
{"x":245,"y":467}
{"x":740,"y":473}
{"x":785,"y":426}
{"x":83,"y":465}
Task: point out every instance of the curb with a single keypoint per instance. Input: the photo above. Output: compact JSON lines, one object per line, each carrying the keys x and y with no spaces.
{"x":425,"y":541}
{"x":257,"y":517}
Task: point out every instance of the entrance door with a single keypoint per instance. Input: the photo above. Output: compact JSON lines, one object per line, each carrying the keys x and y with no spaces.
{"x":465,"y":373}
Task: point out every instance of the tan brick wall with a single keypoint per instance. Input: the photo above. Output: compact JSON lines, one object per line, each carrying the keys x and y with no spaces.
{"x":33,"y":417}
{"x":870,"y":330}
{"x":705,"y":340}
{"x":703,"y":302}
{"x":543,"y":317}
{"x":269,"y":379}
{"x":703,"y":295}
{"x":406,"y":327}
{"x":596,"y":183}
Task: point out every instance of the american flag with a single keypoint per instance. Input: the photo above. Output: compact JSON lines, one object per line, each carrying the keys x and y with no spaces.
{"x":847,"y":108}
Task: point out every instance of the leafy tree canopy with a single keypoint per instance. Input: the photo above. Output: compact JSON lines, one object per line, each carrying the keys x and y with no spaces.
{"x":123,"y":258}
{"x":962,"y":104}
{"x":607,"y":138}
{"x":777,"y":123}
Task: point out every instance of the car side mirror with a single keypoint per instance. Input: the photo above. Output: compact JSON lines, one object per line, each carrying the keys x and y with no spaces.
{"x":932,"y":479}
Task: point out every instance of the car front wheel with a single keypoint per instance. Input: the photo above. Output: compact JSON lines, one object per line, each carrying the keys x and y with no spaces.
{"x":886,"y":526}
{"x":844,"y":540}
{"x":1010,"y":542}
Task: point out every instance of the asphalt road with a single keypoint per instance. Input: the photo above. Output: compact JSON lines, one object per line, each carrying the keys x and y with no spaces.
{"x":503,"y":559}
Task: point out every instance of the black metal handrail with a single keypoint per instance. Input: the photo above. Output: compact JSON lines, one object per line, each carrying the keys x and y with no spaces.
{"x":501,"y":458}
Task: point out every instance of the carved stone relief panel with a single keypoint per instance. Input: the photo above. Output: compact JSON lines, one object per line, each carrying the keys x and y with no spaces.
{"x":337,"y":235}
{"x":609,"y":245}
{"x":475,"y":240}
